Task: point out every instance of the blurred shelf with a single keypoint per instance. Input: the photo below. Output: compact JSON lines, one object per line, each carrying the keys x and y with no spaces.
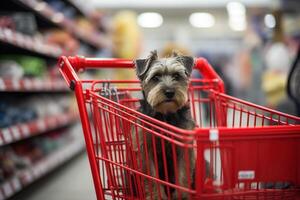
{"x":40,"y":169}
{"x":24,"y":130}
{"x":76,"y":7}
{"x":32,"y":85}
{"x":35,"y":45}
{"x":96,"y":40}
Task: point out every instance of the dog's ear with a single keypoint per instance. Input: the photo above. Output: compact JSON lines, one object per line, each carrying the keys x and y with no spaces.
{"x":188,"y":62}
{"x":140,"y":67}
{"x":143,"y":65}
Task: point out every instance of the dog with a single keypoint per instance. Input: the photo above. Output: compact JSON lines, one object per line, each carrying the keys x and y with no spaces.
{"x":164,"y":83}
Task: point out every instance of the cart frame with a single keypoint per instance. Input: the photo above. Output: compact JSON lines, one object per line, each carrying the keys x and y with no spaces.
{"x":68,"y":67}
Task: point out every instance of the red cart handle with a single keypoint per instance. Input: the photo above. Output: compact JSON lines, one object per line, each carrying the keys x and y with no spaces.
{"x":70,"y":65}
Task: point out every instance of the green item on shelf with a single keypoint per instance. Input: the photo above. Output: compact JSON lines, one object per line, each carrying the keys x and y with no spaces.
{"x":32,"y":66}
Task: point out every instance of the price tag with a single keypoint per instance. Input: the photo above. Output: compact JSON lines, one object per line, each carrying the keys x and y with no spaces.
{"x":36,"y":172}
{"x":47,"y":84}
{"x":20,"y":39}
{"x":25,"y":130}
{"x":64,"y":119}
{"x":8,"y":190}
{"x":60,"y":158}
{"x":52,"y":122}
{"x":2,"y":85}
{"x":28,"y":42}
{"x":41,"y":125}
{"x":16,"y":84}
{"x":8,"y":35}
{"x":246,"y":175}
{"x":16,"y":184}
{"x":1,"y":141}
{"x":49,"y":163}
{"x":38,"y":84}
{"x":7,"y":135}
{"x":16,"y":132}
{"x":1,"y":34}
{"x":40,"y":169}
{"x":34,"y":84}
{"x":27,"y":177}
{"x":43,"y":167}
{"x":27,"y":84}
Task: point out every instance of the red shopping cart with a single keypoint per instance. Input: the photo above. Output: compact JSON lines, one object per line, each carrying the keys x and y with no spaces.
{"x":242,"y":150}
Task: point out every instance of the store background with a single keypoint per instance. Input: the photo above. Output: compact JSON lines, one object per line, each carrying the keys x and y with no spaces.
{"x":251,"y":43}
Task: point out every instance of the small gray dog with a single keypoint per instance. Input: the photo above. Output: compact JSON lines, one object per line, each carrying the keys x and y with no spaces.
{"x":165,"y":89}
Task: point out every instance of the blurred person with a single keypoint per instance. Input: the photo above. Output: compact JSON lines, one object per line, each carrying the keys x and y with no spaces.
{"x":278,"y":62}
{"x":250,"y":64}
{"x":293,"y":86}
{"x":126,"y":37}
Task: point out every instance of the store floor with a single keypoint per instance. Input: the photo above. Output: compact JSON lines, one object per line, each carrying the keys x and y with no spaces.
{"x":70,"y":182}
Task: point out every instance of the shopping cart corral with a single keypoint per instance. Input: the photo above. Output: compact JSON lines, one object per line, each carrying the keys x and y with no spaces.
{"x":243,"y":150}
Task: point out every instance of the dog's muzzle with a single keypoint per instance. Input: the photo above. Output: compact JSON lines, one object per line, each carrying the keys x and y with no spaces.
{"x":169,"y":93}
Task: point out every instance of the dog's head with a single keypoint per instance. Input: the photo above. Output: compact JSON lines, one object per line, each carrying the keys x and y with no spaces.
{"x":165,"y":81}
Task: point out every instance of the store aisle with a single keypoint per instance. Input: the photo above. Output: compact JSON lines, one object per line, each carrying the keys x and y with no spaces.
{"x":71,"y":182}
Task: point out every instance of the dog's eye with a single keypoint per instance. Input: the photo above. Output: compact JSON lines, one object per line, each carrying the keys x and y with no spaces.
{"x":176,"y":76}
{"x":155,"y":78}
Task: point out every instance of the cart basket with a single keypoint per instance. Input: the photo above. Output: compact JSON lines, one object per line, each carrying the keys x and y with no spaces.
{"x":240,"y":150}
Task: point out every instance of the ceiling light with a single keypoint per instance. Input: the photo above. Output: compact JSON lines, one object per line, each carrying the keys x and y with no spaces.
{"x":202,"y":20}
{"x":235,"y":8}
{"x":270,"y":21}
{"x":237,"y":16}
{"x":150,"y":20}
{"x":238,"y":25}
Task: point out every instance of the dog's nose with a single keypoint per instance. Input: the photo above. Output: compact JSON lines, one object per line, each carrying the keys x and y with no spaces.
{"x":169,"y":93}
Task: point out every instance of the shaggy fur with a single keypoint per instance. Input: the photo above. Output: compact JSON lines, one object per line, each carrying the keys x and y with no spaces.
{"x":165,"y":88}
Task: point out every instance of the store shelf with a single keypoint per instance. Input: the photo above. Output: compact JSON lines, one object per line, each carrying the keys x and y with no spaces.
{"x":75,"y":6}
{"x":29,"y":43}
{"x":24,"y":130}
{"x":97,"y":40}
{"x":32,"y":85}
{"x":81,"y":12}
{"x":28,"y":176}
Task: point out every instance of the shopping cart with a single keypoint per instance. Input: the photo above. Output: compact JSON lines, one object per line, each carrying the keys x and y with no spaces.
{"x":242,"y":150}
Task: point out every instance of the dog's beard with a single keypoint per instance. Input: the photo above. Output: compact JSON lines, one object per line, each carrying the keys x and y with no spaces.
{"x":161,"y":104}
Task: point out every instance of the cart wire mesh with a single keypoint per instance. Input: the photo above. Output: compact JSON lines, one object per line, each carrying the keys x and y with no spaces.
{"x":240,"y":150}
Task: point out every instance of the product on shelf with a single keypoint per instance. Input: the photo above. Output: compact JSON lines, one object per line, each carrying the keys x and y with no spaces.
{"x":49,"y":105}
{"x":60,"y":6}
{"x":15,"y":111}
{"x":63,"y":39}
{"x":85,"y":25}
{"x":37,"y":130}
{"x":30,"y":66}
{"x":24,"y":154}
{"x":100,"y":20}
{"x":25,"y":23}
{"x":11,"y":114}
{"x":22,"y":22}
{"x":7,"y":166}
{"x":10,"y":69}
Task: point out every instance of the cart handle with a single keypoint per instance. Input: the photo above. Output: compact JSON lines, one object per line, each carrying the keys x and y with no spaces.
{"x":70,"y":65}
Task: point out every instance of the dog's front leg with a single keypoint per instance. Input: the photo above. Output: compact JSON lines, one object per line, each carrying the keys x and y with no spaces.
{"x":185,"y":177}
{"x":153,"y":190}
